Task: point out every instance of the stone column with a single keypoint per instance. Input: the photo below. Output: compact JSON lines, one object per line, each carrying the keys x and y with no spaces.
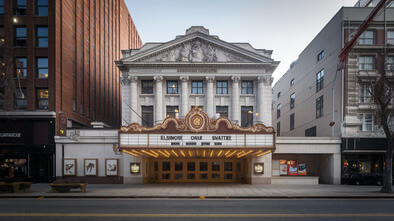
{"x":263,"y":98}
{"x":184,"y":96}
{"x":209,"y":96}
{"x":158,"y":118}
{"x":235,"y":108}
{"x":134,"y":100}
{"x":126,"y":94}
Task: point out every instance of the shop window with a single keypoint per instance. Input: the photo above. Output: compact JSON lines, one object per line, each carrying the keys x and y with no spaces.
{"x":203,"y":166}
{"x":42,"y":99}
{"x":21,"y":67}
{"x":368,"y":122}
{"x":42,"y":68}
{"x":216,"y":166}
{"x":390,"y":37}
{"x":166,"y":166}
{"x":42,"y":36}
{"x":21,"y":99}
{"x":292,"y":101}
{"x":319,"y":80}
{"x":197,"y":87}
{"x":221,"y":87}
{"x":178,"y":166}
{"x":20,"y":7}
{"x":320,"y":56}
{"x":319,"y":107}
{"x":147,"y":116}
{"x":365,"y":92}
{"x":228,"y":176}
{"x":222,"y":111}
{"x":147,"y":87}
{"x":172,"y":111}
{"x":1,"y":7}
{"x":366,"y":38}
{"x":366,"y":62}
{"x":292,"y":119}
{"x":310,"y":132}
{"x":191,"y":166}
{"x":42,"y":8}
{"x":247,"y":87}
{"x":278,"y":107}
{"x":278,"y":129}
{"x":246,"y":116}
{"x":228,"y":166}
{"x":20,"y":39}
{"x":172,"y":87}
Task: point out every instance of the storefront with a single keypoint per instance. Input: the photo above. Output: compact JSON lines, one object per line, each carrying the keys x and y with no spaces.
{"x":27,"y":150}
{"x":196,"y":149}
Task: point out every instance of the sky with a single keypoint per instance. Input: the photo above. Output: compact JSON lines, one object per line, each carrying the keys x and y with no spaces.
{"x":284,"y":26}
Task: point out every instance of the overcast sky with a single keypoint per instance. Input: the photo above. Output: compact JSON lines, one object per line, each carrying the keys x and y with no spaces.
{"x":284,"y":26}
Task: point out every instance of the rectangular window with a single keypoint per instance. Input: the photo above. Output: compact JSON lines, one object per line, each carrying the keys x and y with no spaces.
{"x":319,"y":107}
{"x":365,"y":93}
{"x":292,"y":122}
{"x":390,"y":63}
{"x":366,"y":63}
{"x":278,"y":95}
{"x":310,"y":132}
{"x":292,"y":100}
{"x":246,"y":116}
{"x":42,"y":36}
{"x":147,"y":87}
{"x":278,"y":129}
{"x":1,"y":7}
{"x":20,"y":37}
{"x":247,"y":87}
{"x":221,"y":87}
{"x":42,"y":8}
{"x":320,"y":55}
{"x":172,"y":87}
{"x":172,"y":111}
{"x":292,"y":82}
{"x":368,"y":122}
{"x":319,"y":80}
{"x":21,"y":67}
{"x":366,"y":38}
{"x":21,"y":99}
{"x":42,"y":68}
{"x":222,"y":111}
{"x":278,"y":107}
{"x":42,"y":99}
{"x":197,"y":87}
{"x":147,"y":116}
{"x":20,"y":7}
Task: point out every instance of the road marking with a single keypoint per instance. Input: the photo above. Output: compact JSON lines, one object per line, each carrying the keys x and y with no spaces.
{"x":192,"y":215}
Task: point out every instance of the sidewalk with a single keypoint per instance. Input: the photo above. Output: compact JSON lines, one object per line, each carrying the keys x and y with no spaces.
{"x":207,"y":190}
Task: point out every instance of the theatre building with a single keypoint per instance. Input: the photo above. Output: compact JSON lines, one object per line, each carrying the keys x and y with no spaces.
{"x":194,"y":109}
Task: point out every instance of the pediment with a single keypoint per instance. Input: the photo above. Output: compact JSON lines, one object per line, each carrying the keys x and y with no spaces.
{"x":198,"y":48}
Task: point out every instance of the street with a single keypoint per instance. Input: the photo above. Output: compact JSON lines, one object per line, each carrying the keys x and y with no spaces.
{"x":196,"y":209}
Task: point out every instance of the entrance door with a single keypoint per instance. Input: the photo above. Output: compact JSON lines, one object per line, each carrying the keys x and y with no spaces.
{"x":198,"y":170}
{"x":41,"y":168}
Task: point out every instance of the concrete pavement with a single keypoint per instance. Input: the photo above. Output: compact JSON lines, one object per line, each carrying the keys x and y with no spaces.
{"x":208,"y":190}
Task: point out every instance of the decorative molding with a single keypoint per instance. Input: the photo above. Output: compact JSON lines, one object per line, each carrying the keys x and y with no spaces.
{"x":133,"y":79}
{"x":210,"y":79}
{"x":196,"y":121}
{"x":266,"y":80}
{"x":184,"y":79}
{"x":158,"y":78}
{"x":125,"y":80}
{"x":236,"y":78}
{"x":74,"y":135}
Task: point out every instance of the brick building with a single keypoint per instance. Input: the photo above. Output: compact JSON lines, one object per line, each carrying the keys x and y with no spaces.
{"x":57,"y":73}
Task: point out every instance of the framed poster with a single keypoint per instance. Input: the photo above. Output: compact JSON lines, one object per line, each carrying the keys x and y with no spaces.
{"x":70,"y":167}
{"x":293,"y":168}
{"x":258,"y":168}
{"x":90,"y":167}
{"x":135,"y":168}
{"x":111,"y":167}
{"x":283,"y":168}
{"x":302,"y":169}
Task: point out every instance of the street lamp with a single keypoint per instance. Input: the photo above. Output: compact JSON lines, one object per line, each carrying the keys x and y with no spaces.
{"x":251,"y":120}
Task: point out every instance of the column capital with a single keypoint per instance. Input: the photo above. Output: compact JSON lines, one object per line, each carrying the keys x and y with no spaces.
{"x":266,"y":80}
{"x":127,"y":79}
{"x":210,"y":79}
{"x":133,"y":79}
{"x":158,"y":78}
{"x":184,"y":78}
{"x":235,"y":78}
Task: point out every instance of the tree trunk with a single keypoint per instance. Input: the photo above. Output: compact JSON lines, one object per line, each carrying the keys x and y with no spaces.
{"x":388,"y":170}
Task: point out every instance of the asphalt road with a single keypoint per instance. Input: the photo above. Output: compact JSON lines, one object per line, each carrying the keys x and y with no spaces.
{"x":196,"y":209}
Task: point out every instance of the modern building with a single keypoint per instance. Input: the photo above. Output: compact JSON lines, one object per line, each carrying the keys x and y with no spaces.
{"x":314,"y":99}
{"x":57,"y":73}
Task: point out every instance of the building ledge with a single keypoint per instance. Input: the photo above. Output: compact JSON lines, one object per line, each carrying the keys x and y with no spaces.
{"x":27,"y":114}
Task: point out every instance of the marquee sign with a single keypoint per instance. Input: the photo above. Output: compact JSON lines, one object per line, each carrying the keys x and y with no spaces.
{"x":196,"y":131}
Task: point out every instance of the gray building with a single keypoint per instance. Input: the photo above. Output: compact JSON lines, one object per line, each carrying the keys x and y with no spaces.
{"x":307,"y":98}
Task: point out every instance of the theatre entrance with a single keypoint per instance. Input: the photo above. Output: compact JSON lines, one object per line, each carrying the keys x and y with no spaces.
{"x":197,"y":170}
